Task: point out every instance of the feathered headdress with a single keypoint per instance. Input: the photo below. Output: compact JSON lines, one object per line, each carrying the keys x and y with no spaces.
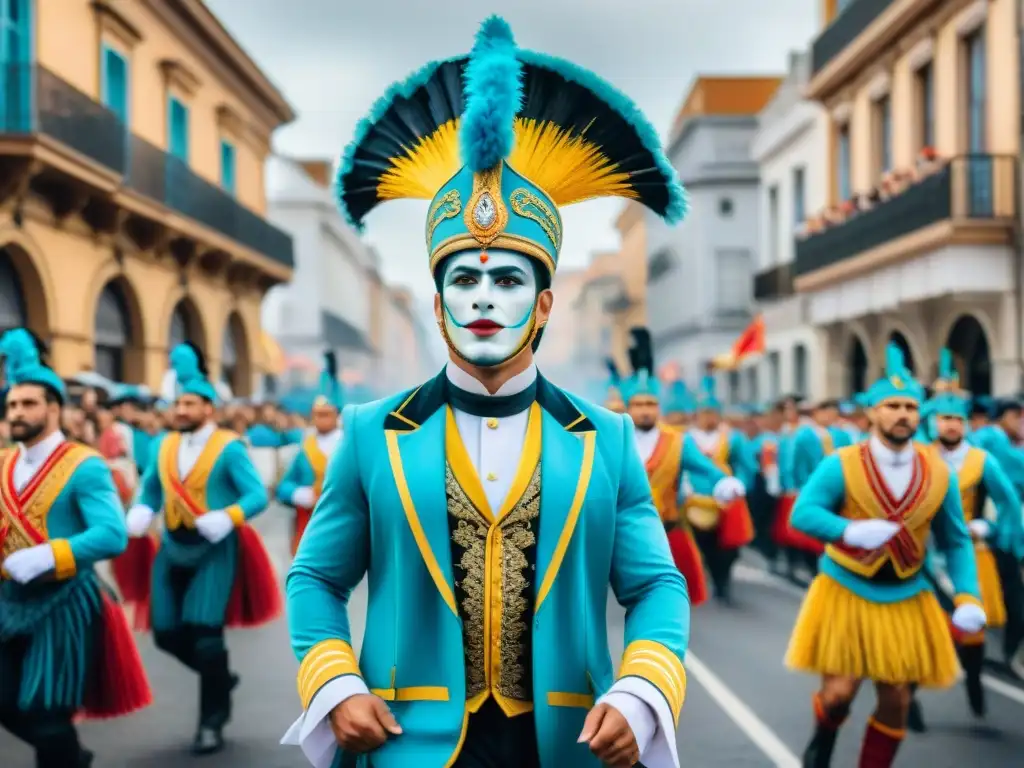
{"x":948,"y":399}
{"x":642,"y":382}
{"x":330,"y":388}
{"x":498,"y":140}
{"x":190,"y":372}
{"x":24,"y":354}
{"x":708,"y":400}
{"x":897,"y":382}
{"x":679,"y":399}
{"x":613,"y":389}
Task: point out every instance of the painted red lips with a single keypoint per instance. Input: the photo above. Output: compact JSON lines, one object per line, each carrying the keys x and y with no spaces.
{"x":484,"y":328}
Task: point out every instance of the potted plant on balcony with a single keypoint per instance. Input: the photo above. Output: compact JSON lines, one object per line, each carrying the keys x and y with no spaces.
{"x":928,"y":161}
{"x":848,"y":209}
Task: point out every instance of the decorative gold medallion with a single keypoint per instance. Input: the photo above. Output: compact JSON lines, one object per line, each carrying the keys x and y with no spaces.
{"x":486,"y":215}
{"x":530,"y":206}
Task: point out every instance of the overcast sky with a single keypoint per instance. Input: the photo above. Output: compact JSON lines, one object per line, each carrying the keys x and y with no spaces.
{"x":333,"y":58}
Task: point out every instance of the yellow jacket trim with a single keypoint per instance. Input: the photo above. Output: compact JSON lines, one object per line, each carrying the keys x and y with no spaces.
{"x":660,"y":667}
{"x":967,"y":600}
{"x":237,"y":515}
{"x":581,"y":700}
{"x":325,"y":661}
{"x":413,"y":693}
{"x":65,"y":565}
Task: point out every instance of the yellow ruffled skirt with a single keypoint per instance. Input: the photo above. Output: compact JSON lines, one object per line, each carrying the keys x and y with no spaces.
{"x":991,"y":586}
{"x":839,"y":633}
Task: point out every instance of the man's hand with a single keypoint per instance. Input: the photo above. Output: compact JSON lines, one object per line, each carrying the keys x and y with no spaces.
{"x":361,"y":723}
{"x":610,"y":737}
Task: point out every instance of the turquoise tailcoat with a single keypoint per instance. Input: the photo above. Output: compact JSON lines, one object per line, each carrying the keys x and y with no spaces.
{"x":994,"y":439}
{"x":700,"y":471}
{"x":300,"y":474}
{"x":1008,"y":528}
{"x":740,"y":461}
{"x":818,"y":513}
{"x":233,"y":482}
{"x":383,"y":513}
{"x":84,"y":523}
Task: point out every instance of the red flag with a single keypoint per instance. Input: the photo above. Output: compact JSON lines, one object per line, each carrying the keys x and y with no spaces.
{"x":751,"y":341}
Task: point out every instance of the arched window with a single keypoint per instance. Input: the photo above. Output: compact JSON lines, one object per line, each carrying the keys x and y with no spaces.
{"x":800,"y":370}
{"x":900,"y":341}
{"x":229,"y":359}
{"x":182,"y":326}
{"x":857,"y":366}
{"x":971,"y":355}
{"x":12,"y":297}
{"x":112,"y":333}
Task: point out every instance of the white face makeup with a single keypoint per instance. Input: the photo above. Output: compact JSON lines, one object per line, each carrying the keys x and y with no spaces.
{"x":488,"y":305}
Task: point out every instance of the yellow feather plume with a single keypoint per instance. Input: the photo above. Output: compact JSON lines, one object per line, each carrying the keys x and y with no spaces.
{"x":425,"y":168}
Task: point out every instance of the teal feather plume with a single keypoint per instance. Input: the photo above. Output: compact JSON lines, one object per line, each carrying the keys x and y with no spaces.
{"x":494,"y":93}
{"x":895,"y":364}
{"x":947,"y":371}
{"x":186,"y":363}
{"x":707,"y":386}
{"x":20,"y":351}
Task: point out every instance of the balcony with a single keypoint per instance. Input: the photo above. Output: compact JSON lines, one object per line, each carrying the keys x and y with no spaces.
{"x":775,"y":283}
{"x":971,"y":199}
{"x":39,"y":108}
{"x":844,"y":29}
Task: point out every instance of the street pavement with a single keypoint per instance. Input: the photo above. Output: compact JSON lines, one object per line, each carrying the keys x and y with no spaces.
{"x":744,"y":709}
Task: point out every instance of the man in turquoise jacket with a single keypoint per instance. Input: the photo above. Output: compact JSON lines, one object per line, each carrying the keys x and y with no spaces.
{"x":65,"y":647}
{"x":489,"y":509}
{"x":211,"y":570}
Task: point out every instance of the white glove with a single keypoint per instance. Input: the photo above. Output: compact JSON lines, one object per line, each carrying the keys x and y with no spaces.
{"x":215,"y":526}
{"x":773,"y":482}
{"x":304,"y":497}
{"x":980,"y":529}
{"x":969,"y":618}
{"x":139,"y":518}
{"x":728,"y":489}
{"x":870,"y":534}
{"x":27,"y":564}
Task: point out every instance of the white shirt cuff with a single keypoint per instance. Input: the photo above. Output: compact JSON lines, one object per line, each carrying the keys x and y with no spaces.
{"x":312,"y":731}
{"x":650,"y":719}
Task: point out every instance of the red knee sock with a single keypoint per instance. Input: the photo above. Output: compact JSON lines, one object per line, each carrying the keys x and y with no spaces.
{"x":880,"y":745}
{"x":829,"y":719}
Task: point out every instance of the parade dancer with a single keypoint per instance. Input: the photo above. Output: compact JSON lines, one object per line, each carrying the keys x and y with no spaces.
{"x":980,"y":478}
{"x":509,"y":504}
{"x":667,"y":455}
{"x":720,"y":532}
{"x":871,"y":613}
{"x":211,"y":569}
{"x":303,"y":483}
{"x":764,"y":496}
{"x":65,"y":647}
{"x":813,"y":442}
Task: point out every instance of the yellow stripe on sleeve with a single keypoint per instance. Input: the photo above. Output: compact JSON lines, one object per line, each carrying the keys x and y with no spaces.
{"x":660,"y":667}
{"x":324,"y":662}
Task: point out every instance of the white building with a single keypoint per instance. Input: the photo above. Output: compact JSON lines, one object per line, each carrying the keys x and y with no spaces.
{"x":788,"y":148}
{"x":700,"y":274}
{"x":328,"y":303}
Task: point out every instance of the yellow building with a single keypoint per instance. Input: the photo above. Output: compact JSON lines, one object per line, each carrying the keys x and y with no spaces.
{"x":133,"y":135}
{"x":923,"y":110}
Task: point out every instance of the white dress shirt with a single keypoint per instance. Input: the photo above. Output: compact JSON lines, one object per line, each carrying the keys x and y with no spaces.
{"x":955,"y":458}
{"x":706,"y":439}
{"x":31,"y":458}
{"x":897,"y":467}
{"x":191,"y":447}
{"x":328,"y":441}
{"x":494,"y":446}
{"x":646,"y":442}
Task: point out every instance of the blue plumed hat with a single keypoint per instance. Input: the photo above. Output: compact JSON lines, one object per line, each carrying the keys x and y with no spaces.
{"x":948,"y":398}
{"x":190,"y":372}
{"x":330,"y":390}
{"x":678,"y":399}
{"x":707,"y":400}
{"x":498,"y":140}
{"x":897,"y":382}
{"x":24,"y":354}
{"x":642,"y":382}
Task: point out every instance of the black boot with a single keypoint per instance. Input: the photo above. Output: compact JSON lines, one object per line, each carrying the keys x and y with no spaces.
{"x":819,"y":752}
{"x":972,"y":659}
{"x":915,"y":717}
{"x":215,"y":686}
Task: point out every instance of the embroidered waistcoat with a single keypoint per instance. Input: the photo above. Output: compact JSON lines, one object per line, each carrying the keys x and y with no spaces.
{"x":663,"y":470}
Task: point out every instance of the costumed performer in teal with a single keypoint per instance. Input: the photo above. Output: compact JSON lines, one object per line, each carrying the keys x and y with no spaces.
{"x":678,"y":408}
{"x":720,"y":531}
{"x":211,"y":569}
{"x":65,"y":647}
{"x":303,"y":482}
{"x":871,"y":613}
{"x":980,"y":478}
{"x":813,"y":442}
{"x":669,"y":455}
{"x":489,"y":474}
{"x":764,"y":495}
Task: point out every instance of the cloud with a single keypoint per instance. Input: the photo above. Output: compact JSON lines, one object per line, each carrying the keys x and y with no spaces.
{"x":332,"y":59}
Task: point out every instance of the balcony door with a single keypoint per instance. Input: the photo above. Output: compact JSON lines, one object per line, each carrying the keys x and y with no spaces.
{"x":15,"y":54}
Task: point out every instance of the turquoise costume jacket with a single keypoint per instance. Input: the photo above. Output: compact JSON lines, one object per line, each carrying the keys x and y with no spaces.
{"x":808,"y":451}
{"x":232,"y":485}
{"x":300,"y":474}
{"x":262,"y":436}
{"x":698,"y":469}
{"x":739,"y":459}
{"x":1008,"y":527}
{"x":383,"y":512}
{"x":994,"y":439}
{"x":83,"y":519}
{"x":817,"y":513}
